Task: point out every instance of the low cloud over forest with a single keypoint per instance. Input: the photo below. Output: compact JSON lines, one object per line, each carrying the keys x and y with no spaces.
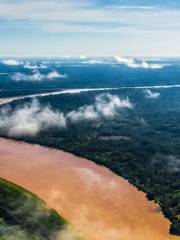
{"x":31,"y":118}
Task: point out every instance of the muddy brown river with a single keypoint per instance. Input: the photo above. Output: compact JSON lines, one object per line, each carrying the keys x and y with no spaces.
{"x":102,"y":205}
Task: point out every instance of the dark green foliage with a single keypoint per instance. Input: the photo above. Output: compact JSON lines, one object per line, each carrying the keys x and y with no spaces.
{"x":24,"y":216}
{"x":142,"y":144}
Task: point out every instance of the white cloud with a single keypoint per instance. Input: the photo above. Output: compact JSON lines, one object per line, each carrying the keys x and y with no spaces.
{"x":30,"y":119}
{"x":135,"y":25}
{"x":131,"y":63}
{"x":150,"y":94}
{"x":31,"y":66}
{"x":11,"y":62}
{"x":93,"y":61}
{"x":82,"y":57}
{"x":106,"y":105}
{"x":65,"y":12}
{"x":86,"y":112}
{"x":37,"y":76}
{"x":55,"y":74}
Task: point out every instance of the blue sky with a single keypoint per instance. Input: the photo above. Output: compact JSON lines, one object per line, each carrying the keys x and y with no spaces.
{"x":89,"y":27}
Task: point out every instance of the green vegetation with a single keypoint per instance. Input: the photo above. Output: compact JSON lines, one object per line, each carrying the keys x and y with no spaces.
{"x":23,"y":216}
{"x":142,"y":144}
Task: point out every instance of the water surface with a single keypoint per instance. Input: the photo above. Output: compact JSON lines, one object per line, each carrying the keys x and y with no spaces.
{"x":102,"y":205}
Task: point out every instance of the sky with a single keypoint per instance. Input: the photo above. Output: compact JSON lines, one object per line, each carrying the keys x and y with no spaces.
{"x":89,"y":27}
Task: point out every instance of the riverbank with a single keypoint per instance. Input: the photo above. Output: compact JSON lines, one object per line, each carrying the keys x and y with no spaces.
{"x":99,"y":203}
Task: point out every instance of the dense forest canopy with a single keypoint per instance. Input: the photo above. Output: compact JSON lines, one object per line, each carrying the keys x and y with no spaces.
{"x":24,"y":216}
{"x":139,"y":141}
{"x":133,"y":130}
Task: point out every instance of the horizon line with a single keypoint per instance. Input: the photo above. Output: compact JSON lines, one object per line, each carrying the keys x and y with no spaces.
{"x":87,"y":56}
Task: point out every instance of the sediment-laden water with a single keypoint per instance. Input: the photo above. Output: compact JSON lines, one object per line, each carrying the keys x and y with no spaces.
{"x":102,"y":205}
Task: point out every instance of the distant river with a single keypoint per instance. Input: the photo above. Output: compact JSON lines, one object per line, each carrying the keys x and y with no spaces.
{"x":60,"y":92}
{"x":102,"y":205}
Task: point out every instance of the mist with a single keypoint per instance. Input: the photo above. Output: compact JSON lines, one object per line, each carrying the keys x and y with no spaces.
{"x":31,"y":118}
